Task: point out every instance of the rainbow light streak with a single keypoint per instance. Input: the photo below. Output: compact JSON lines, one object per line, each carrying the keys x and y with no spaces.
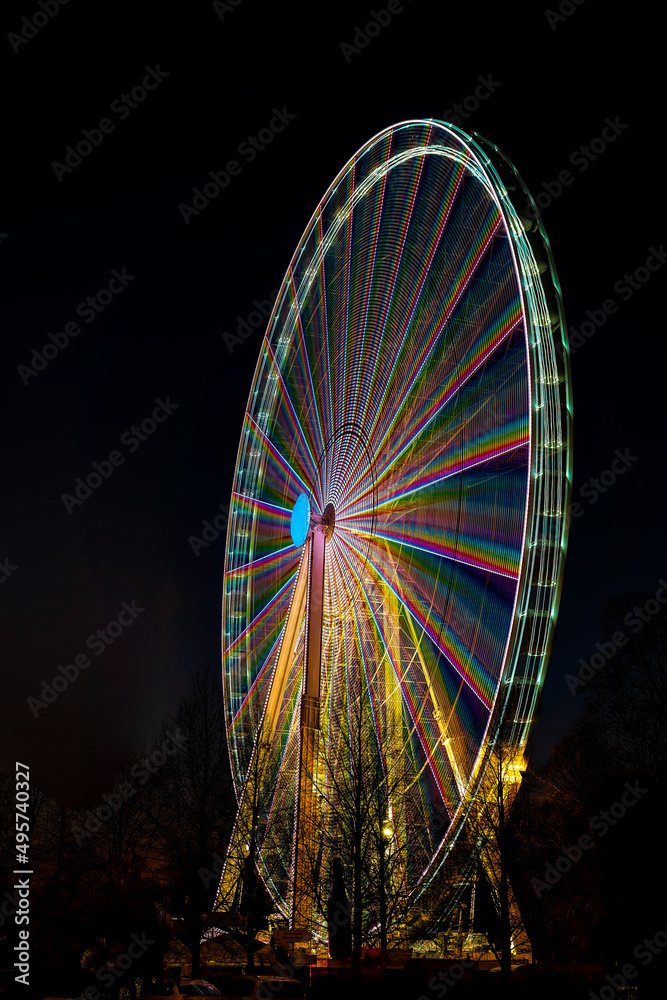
{"x":366,"y":384}
{"x":455,"y":467}
{"x":448,"y":202}
{"x":449,"y":391}
{"x":477,"y":682}
{"x":286,"y":400}
{"x":262,"y":617}
{"x":280,"y":466}
{"x":409,"y":692}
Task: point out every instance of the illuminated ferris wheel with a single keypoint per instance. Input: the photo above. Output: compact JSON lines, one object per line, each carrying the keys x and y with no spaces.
{"x":397,"y":525}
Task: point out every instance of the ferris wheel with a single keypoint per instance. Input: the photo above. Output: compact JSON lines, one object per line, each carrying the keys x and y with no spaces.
{"x":397,"y":527}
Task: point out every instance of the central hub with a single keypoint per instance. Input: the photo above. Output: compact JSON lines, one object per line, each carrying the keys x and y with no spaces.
{"x":303,"y":519}
{"x":324,"y":522}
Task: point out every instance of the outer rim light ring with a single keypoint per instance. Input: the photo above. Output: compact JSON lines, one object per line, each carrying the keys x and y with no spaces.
{"x":536,"y":600}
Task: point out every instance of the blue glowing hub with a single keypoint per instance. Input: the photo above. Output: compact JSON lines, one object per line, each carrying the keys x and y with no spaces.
{"x":300,"y":522}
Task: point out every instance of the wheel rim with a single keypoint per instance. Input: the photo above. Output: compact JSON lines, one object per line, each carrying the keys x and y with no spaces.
{"x":412,"y":377}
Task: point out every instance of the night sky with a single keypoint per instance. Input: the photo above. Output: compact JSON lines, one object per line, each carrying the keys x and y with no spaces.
{"x":165,"y":289}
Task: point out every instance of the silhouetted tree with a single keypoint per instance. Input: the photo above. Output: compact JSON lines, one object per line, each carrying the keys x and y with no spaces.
{"x":488,"y":833}
{"x":363,"y":827}
{"x":192,"y":809}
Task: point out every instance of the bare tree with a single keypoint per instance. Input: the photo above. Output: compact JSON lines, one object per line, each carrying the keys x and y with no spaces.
{"x":260,"y":842}
{"x":92,"y":874}
{"x":488,"y":835}
{"x":360,"y":797}
{"x":192,"y":809}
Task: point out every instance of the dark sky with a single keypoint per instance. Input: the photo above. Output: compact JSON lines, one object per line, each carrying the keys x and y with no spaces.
{"x":219,"y":74}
